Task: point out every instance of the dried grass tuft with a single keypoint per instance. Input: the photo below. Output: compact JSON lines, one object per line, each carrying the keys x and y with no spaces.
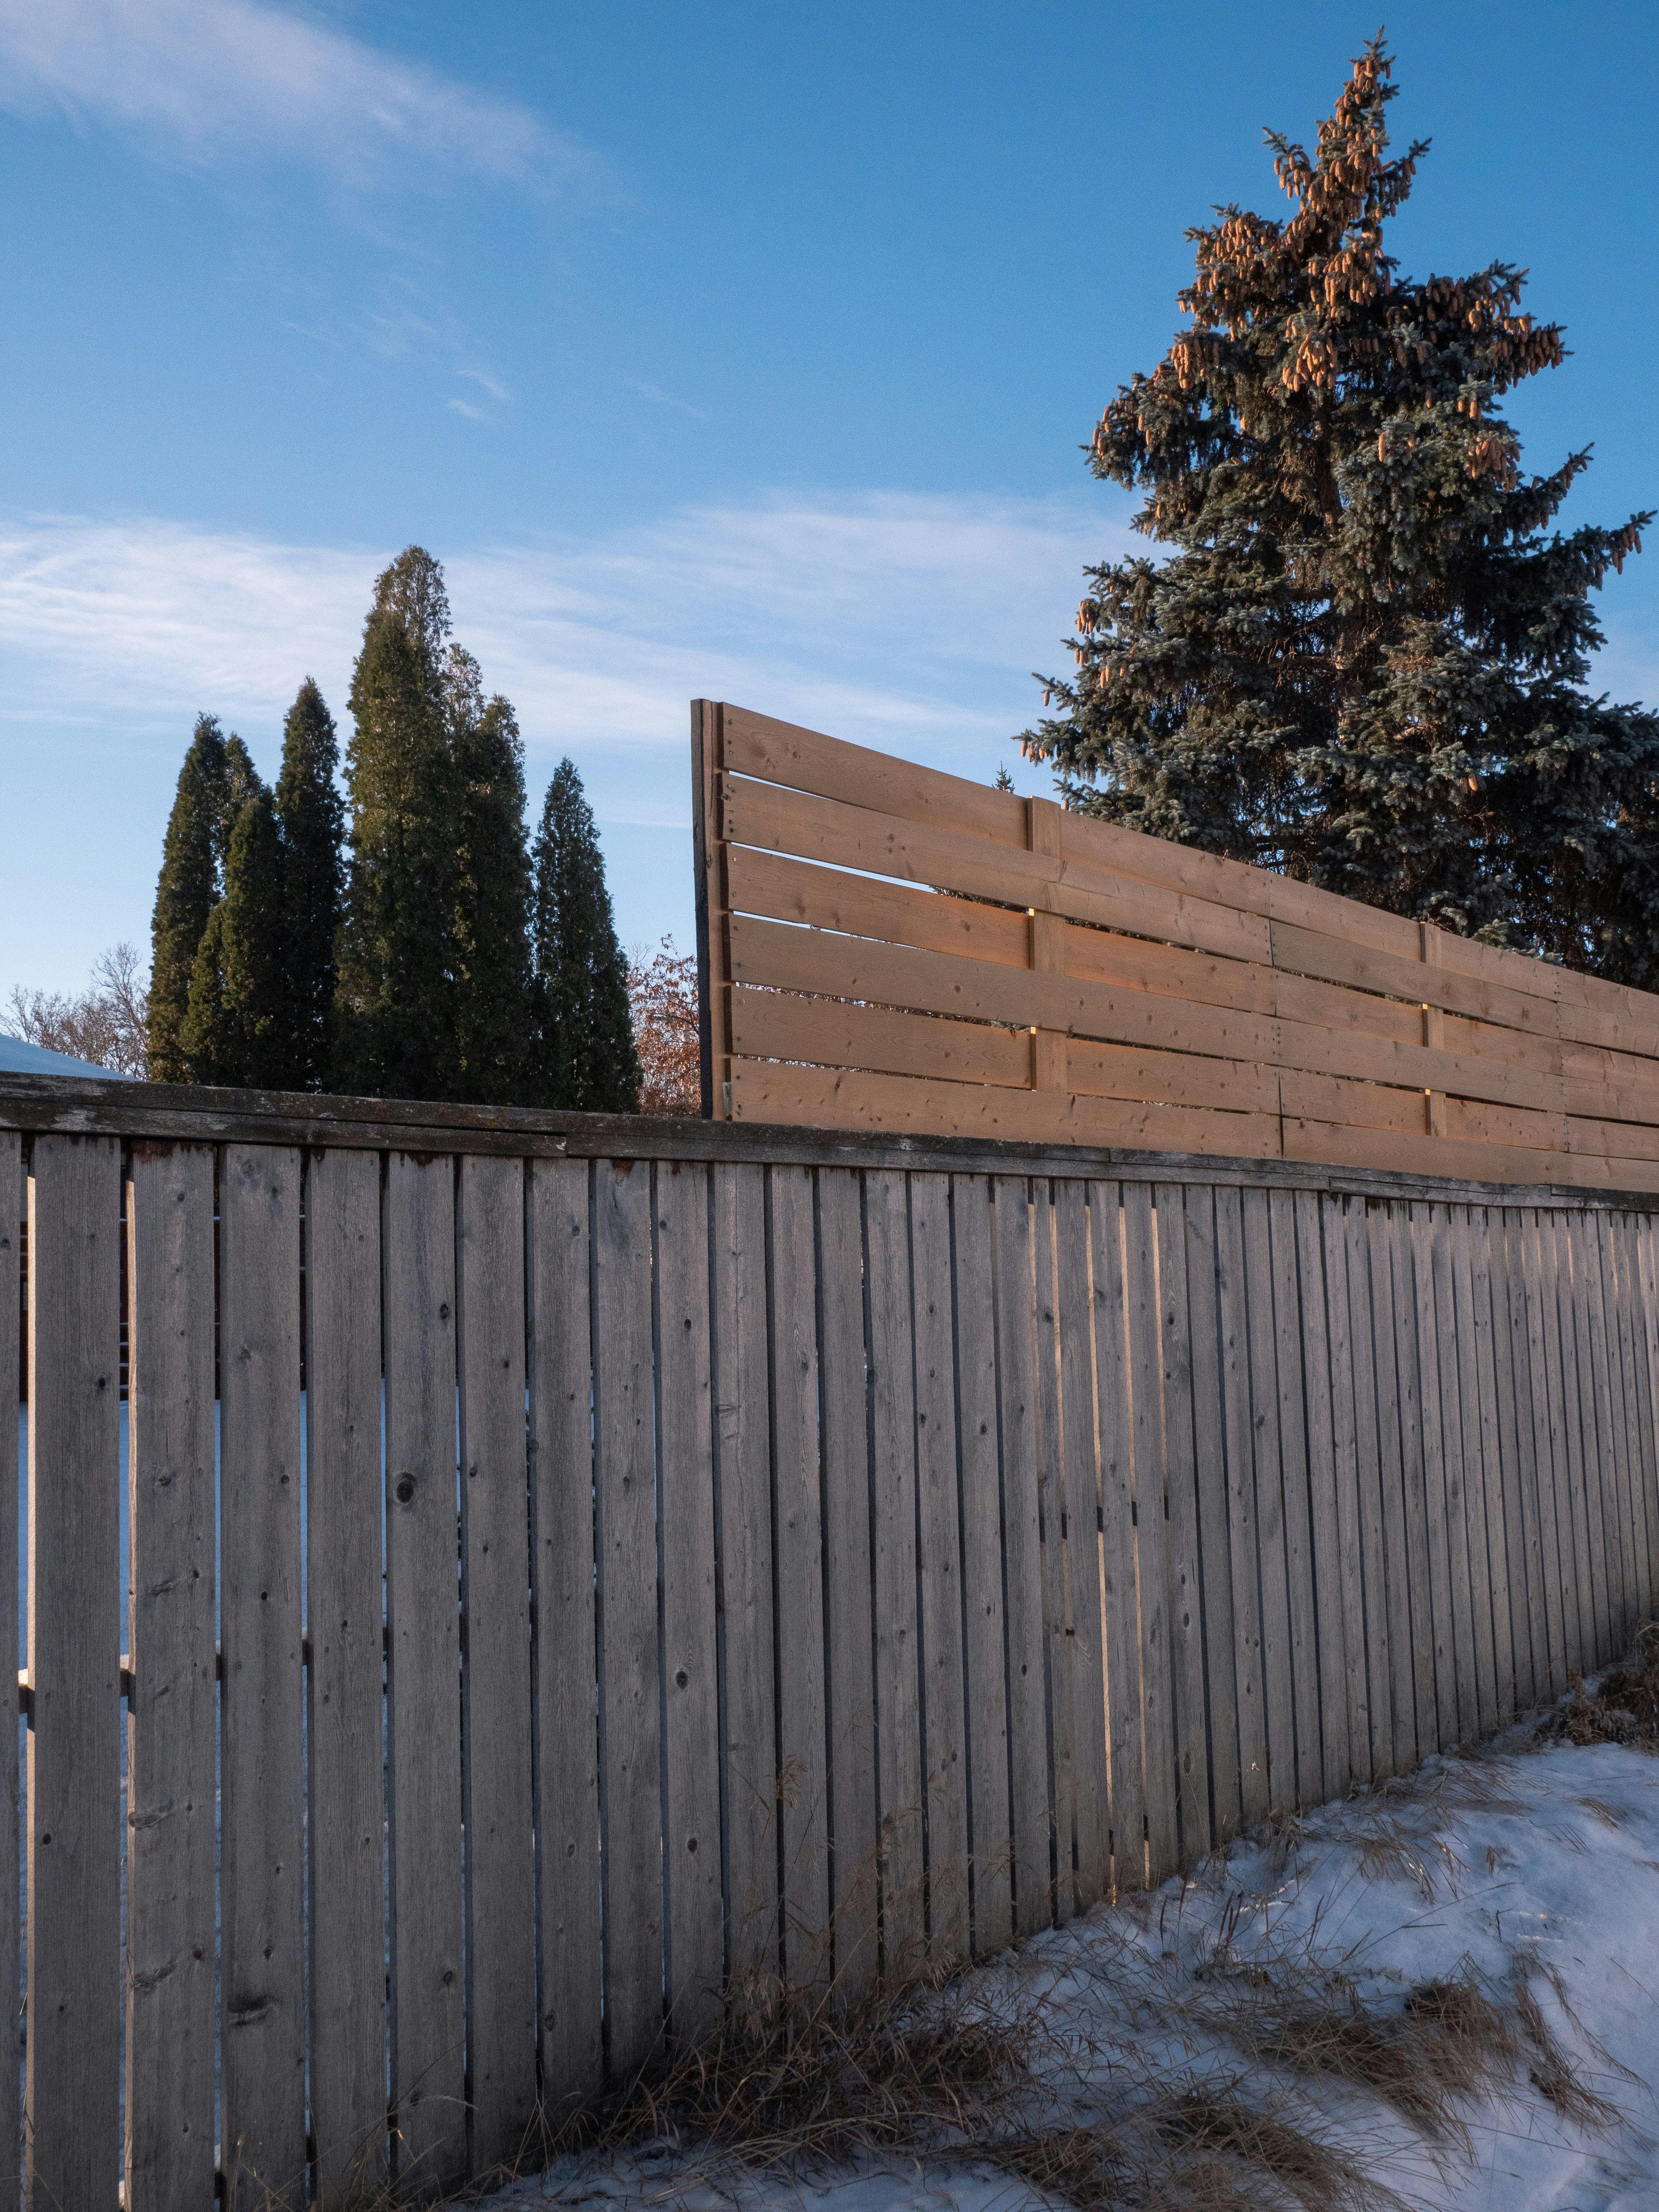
{"x":1624,"y":1706}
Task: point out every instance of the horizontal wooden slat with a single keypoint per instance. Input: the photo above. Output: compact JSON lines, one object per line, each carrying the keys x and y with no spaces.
{"x":807,"y":960}
{"x":828,"y":830}
{"x":1305,"y":952}
{"x":806,"y":760}
{"x":787,"y":890}
{"x":775,"y":1025}
{"x":1330,"y":1142}
{"x":851,"y":1098}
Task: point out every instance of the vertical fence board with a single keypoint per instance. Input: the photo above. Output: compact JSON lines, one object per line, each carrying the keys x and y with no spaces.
{"x":1194,"y":1825}
{"x":803,"y":1807}
{"x":1622,"y":1234}
{"x":1406,"y":1226}
{"x":1368,"y":1441}
{"x":1636,"y":1596}
{"x":13,"y":1206}
{"x":1533,"y":1423}
{"x":70,"y":2099}
{"x":1078,"y":1538}
{"x":629,"y":1660}
{"x":1058,"y":1654}
{"x":1588,"y":1540}
{"x":983,"y":1637}
{"x":939,"y":1523}
{"x":1400,"y":1404}
{"x":1269,"y":1515}
{"x":1293,"y":1389}
{"x":1233,"y":1291}
{"x":743,"y":1474}
{"x":1126,"y":1732}
{"x":1518,"y":1461}
{"x":1151,"y":1529}
{"x":696,"y":1934}
{"x":1349,"y":1582}
{"x":1470,"y":1340}
{"x":1476,"y":1242}
{"x":1210,"y":1450}
{"x":1647,"y":1337}
{"x":1645,"y":1472}
{"x":850,"y":1690}
{"x":1325,"y":1564}
{"x":498,"y":1780}
{"x":171,"y":1725}
{"x":1563,"y":1457}
{"x":263,"y":1979}
{"x":893,"y":1517}
{"x":1030,"y":1782}
{"x":1446,"y":1462}
{"x":560,"y":1397}
{"x":345,"y":1711}
{"x":428,"y":2081}
{"x":1549,"y":1432}
{"x":1601,"y":1461}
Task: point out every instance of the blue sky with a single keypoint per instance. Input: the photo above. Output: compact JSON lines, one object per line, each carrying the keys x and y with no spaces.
{"x":735,"y":350}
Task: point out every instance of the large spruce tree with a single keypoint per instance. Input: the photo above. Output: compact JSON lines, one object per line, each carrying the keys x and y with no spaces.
{"x":1364,"y":660}
{"x":395,"y":1002}
{"x":311,"y":818}
{"x":493,"y":1014}
{"x":587,"y":1059}
{"x":237,"y":1027}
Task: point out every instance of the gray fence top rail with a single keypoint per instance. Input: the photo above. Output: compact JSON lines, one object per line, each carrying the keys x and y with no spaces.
{"x":181,"y":1113}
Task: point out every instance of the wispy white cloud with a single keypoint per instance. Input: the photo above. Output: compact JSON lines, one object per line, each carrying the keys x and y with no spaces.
{"x":658,"y":397}
{"x":906,"y":623}
{"x":492,"y":385}
{"x":465,"y":407}
{"x":198,"y":78}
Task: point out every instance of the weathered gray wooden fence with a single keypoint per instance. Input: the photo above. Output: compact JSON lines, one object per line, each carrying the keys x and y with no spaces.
{"x":620,"y":1558}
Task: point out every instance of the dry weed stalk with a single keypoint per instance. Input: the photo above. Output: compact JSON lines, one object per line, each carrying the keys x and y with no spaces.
{"x":1624,"y":1706}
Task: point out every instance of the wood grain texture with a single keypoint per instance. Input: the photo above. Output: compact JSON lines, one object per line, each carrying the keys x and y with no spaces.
{"x":1646,"y":1473}
{"x":346,"y":1703}
{"x":1443,"y":1458}
{"x":1538,"y":1474}
{"x":1458,"y":1679}
{"x":261,"y":1760}
{"x":498,"y":1780}
{"x":1520,"y":1527}
{"x":1030,"y":1782}
{"x":13,"y":1210}
{"x":559,"y":1395}
{"x":72,"y":2088}
{"x":1233,"y":1283}
{"x":984,"y":1645}
{"x":893,"y":1530}
{"x":939,"y":1533}
{"x":1326,"y":1546}
{"x":1369,"y":1385}
{"x":1194,"y":1826}
{"x":691,"y":1850}
{"x":1634,"y":1598}
{"x":428,"y":1988}
{"x":1267,"y":1516}
{"x":1152,"y":1530}
{"x":1294,"y":1394}
{"x":1059,"y":1655}
{"x":1571,"y":1241}
{"x":1081,"y":1592}
{"x":1414,"y":1554}
{"x":631,"y":1719}
{"x":1349,"y":1576}
{"x":171,"y":1723}
{"x":850,"y":1685}
{"x":743,"y":1474}
{"x":1202,"y":1272}
{"x":1475,"y":1240}
{"x":1647,"y":1276}
{"x":1563,"y":1453}
{"x":798,"y":1535}
{"x":1114,"y":1424}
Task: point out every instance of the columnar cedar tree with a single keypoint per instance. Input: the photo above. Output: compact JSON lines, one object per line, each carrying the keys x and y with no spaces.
{"x":588,"y":1061}
{"x":311,"y":820}
{"x":1363,"y":661}
{"x":395,"y":1000}
{"x":237,"y":1028}
{"x":493,"y":1012}
{"x":185,"y":894}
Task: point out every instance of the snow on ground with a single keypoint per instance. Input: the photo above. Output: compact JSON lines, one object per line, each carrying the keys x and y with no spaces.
{"x":1529,"y":1871}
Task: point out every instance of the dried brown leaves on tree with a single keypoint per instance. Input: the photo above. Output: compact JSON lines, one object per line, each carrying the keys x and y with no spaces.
{"x":662,"y":998}
{"x":104,"y":1024}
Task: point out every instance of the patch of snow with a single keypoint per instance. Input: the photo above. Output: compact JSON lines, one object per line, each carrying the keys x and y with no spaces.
{"x":1529,"y":1869}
